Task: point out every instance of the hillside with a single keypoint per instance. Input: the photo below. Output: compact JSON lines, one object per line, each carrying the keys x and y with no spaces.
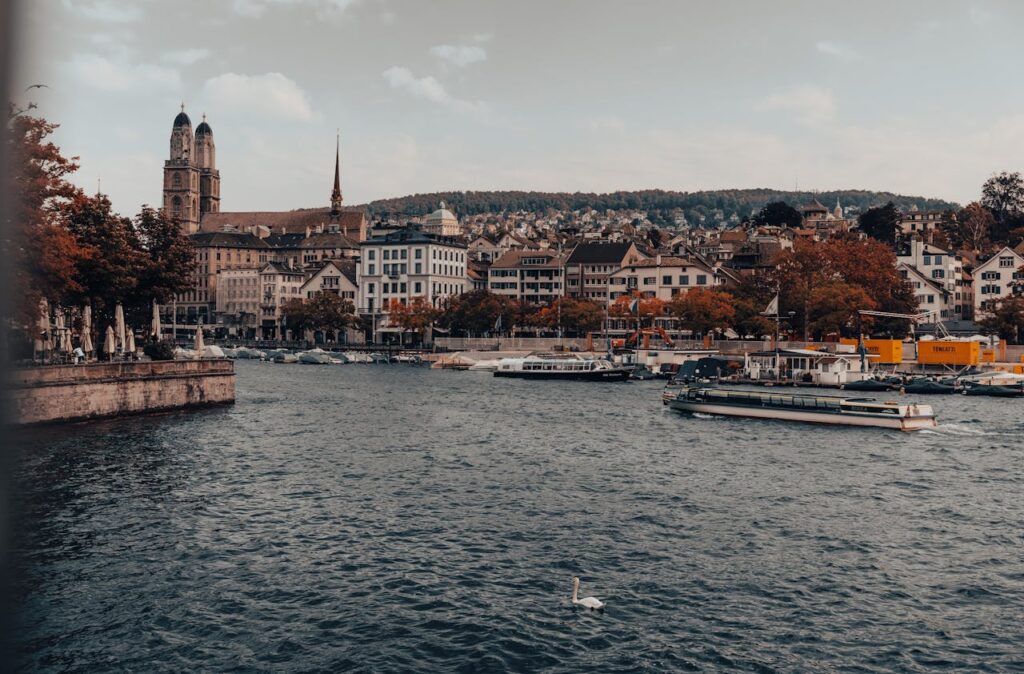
{"x":698,"y":207}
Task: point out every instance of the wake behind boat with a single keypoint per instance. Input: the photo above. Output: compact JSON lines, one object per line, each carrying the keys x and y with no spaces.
{"x":561,"y":366}
{"x":801,"y":407}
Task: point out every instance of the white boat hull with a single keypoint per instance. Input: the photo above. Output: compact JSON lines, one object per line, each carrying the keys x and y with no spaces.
{"x":907,"y":423}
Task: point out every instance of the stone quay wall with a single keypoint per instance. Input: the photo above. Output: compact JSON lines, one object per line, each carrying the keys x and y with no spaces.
{"x":63,"y":393}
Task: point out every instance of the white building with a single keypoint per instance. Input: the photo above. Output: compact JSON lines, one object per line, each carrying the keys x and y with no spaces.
{"x":278,"y":285}
{"x":533,"y":276}
{"x":662,"y":277}
{"x":409,"y":263}
{"x":944,"y":269}
{"x":442,"y":222}
{"x":994,"y":280}
{"x":238,"y":301}
{"x":333,"y":276}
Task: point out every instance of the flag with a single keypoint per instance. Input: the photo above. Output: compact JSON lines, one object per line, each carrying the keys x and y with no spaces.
{"x":773,"y":307}
{"x":634,"y":306}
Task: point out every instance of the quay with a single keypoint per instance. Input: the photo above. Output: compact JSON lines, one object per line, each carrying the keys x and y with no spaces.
{"x":66,"y":393}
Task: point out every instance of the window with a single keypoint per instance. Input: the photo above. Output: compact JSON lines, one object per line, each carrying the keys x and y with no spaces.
{"x":387,"y":254}
{"x":991,"y":276}
{"x":418,"y":254}
{"x":666,"y":280}
{"x":702,"y":279}
{"x":649,"y":280}
{"x":405,"y":254}
{"x":371,"y":269}
{"x":371,"y":254}
{"x":927,"y":260}
{"x":930,"y":299}
{"x":418,"y":287}
{"x":419,"y":267}
{"x":1006,"y":261}
{"x":938,"y":273}
{"x":684,"y":280}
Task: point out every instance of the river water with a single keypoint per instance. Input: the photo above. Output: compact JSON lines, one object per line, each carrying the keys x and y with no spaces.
{"x":393,"y":518}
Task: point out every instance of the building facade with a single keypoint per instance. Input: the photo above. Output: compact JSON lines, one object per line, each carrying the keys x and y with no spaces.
{"x":996,"y":279}
{"x":532,"y":276}
{"x":278,"y":285}
{"x":591,"y":263}
{"x":661,"y":277}
{"x":943,"y":269}
{"x":409,"y":263}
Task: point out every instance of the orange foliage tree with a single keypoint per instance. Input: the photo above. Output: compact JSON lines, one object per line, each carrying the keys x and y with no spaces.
{"x":650,"y":307}
{"x":574,"y":315}
{"x":704,"y":310}
{"x":416,"y":315}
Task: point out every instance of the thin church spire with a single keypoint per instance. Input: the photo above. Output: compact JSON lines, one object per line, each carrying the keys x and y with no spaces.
{"x":336,"y":193}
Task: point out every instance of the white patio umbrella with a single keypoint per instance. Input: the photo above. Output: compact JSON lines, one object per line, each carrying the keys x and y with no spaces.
{"x":130,"y":348}
{"x":86,"y":336}
{"x":63,"y":343}
{"x":199,"y":341}
{"x":120,"y":327}
{"x":43,"y":342}
{"x":155,"y":325}
{"x":110,"y":343}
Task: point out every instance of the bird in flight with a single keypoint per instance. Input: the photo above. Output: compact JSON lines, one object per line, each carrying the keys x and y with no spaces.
{"x":36,"y":86}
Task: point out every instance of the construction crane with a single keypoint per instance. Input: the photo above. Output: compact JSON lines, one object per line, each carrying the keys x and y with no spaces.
{"x":913,"y":318}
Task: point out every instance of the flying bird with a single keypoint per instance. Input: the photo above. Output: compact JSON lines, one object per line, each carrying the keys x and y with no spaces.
{"x":37,"y":86}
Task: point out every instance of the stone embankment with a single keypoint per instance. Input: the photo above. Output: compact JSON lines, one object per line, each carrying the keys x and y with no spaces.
{"x":62,"y":393}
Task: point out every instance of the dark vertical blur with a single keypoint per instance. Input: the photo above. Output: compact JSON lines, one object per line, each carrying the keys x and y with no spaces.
{"x":7,"y":664}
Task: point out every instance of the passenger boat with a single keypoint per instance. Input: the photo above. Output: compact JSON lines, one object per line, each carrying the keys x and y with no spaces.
{"x":801,"y":407}
{"x":561,"y":366}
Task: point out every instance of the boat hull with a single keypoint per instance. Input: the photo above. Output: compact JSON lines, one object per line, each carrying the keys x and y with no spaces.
{"x":806,"y":416}
{"x":582,"y":375}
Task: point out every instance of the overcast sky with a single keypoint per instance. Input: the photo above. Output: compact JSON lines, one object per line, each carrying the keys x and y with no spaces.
{"x":917,"y":97}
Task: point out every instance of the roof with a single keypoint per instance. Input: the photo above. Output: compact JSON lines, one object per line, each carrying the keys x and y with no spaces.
{"x":182,"y":120}
{"x":347,"y":267}
{"x":599,"y":252}
{"x":328,"y":240}
{"x":203,"y":129}
{"x":513,"y":258}
{"x":814,"y":205}
{"x":666,"y":261}
{"x":292,"y":221}
{"x":280,"y":268}
{"x":227,"y":240}
{"x":411,"y":235}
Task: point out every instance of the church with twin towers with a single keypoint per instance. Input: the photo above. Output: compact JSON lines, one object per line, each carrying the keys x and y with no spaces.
{"x":191,"y":194}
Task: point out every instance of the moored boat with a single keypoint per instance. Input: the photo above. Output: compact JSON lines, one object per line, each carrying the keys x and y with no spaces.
{"x":560,"y":366}
{"x":868,"y":385}
{"x":995,"y":390}
{"x":801,"y":407}
{"x":928,"y":387}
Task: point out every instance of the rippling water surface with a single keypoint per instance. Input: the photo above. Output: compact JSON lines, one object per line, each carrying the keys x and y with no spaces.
{"x":390,"y":518}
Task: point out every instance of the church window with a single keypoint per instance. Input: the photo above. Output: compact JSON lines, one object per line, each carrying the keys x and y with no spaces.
{"x":177,"y":180}
{"x":176,"y":207}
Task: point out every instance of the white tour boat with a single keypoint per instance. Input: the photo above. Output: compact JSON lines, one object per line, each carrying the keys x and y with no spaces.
{"x":562,"y":366}
{"x":801,"y":407}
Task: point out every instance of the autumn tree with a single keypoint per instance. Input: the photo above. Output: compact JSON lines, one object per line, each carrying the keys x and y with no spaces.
{"x":477,"y":312}
{"x":573,"y":315}
{"x":704,"y":310}
{"x":1006,"y":319}
{"x":416,"y":315}
{"x":880,"y":223}
{"x":650,"y":307}
{"x":44,"y":255}
{"x":169,"y":257}
{"x":833,"y":306}
{"x":971,"y":227}
{"x":1003,"y":195}
{"x":325,"y":311}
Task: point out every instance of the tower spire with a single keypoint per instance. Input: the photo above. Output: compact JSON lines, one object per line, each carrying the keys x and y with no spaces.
{"x":336,"y":192}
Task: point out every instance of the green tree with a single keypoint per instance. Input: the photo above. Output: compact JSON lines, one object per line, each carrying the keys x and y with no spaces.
{"x":169,"y":257}
{"x":1006,"y":320}
{"x":880,"y":223}
{"x":779,"y":213}
{"x":1003,"y":195}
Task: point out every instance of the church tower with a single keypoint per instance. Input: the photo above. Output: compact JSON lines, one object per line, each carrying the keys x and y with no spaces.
{"x":336,"y":192}
{"x":209,"y":176}
{"x":181,"y":176}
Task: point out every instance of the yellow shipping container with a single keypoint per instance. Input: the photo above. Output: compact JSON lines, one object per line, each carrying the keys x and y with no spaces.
{"x":988,"y":355}
{"x":948,"y":353}
{"x":889,"y":351}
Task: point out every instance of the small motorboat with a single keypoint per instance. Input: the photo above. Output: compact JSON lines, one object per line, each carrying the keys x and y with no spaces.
{"x":868,"y":385}
{"x":285,"y":357}
{"x":928,"y":386}
{"x":315,"y":357}
{"x":995,"y":390}
{"x":642,"y":373}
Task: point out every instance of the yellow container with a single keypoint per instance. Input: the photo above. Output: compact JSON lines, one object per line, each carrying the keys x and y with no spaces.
{"x":889,"y":351}
{"x":948,"y":353}
{"x":988,"y":355}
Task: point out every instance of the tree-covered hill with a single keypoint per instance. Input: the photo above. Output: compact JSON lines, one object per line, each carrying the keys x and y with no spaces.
{"x":657,"y":203}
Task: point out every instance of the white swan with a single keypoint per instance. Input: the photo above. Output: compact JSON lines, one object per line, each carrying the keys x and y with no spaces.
{"x":589,"y":602}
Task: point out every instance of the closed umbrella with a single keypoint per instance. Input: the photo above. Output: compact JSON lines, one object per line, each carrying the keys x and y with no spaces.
{"x":199,"y":341}
{"x":86,"y":337}
{"x":155,"y":327}
{"x":43,"y":342}
{"x":131,"y":344}
{"x":110,"y":343}
{"x":120,"y":327}
{"x":63,"y":339}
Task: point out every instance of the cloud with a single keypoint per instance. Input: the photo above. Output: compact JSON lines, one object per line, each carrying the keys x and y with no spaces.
{"x":811,"y":105}
{"x":427,"y":87}
{"x":607,"y":124}
{"x":185,"y":57}
{"x":272,"y":94}
{"x":324,"y":8}
{"x":459,"y":55}
{"x":106,"y":74}
{"x":105,"y":11}
{"x":837,"y":50}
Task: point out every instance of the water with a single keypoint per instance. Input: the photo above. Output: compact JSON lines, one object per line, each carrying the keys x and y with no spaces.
{"x":390,"y":518}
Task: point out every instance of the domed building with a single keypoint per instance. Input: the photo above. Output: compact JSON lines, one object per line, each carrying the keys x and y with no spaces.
{"x":442,"y":222}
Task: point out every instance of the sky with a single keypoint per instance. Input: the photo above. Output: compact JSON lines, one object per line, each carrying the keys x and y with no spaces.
{"x":916,"y":97}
